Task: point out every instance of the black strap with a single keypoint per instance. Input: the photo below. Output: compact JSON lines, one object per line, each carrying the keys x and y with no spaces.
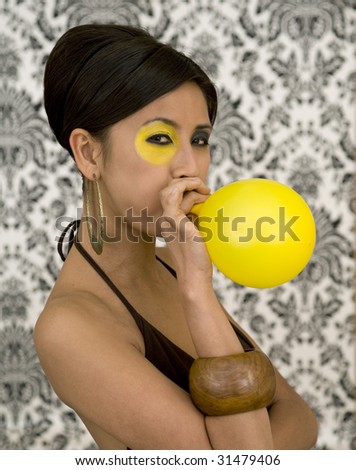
{"x":138,"y":318}
{"x":170,"y":269}
{"x":73,"y":227}
{"x":105,"y":277}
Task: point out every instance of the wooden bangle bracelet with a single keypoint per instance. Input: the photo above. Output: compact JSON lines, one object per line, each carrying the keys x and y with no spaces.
{"x":232,"y":384}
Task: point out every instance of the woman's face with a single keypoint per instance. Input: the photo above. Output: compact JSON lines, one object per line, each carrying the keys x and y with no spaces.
{"x":166,"y":139}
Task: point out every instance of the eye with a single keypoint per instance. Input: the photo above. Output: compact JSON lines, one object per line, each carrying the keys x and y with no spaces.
{"x":159,"y":139}
{"x":201,"y":139}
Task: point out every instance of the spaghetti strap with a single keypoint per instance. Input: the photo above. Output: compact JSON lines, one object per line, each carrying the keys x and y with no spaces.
{"x":108,"y":281}
{"x":170,"y":269}
{"x":166,"y":356}
{"x":140,"y":321}
{"x":138,"y":318}
{"x":71,"y":229}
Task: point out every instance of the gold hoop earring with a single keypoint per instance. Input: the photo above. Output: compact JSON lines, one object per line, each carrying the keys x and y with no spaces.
{"x":96,"y":243}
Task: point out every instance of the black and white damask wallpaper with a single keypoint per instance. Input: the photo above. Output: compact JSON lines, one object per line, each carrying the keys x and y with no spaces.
{"x":286,"y":76}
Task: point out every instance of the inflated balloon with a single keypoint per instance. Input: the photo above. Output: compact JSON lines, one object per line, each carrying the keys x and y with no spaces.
{"x":258,"y":232}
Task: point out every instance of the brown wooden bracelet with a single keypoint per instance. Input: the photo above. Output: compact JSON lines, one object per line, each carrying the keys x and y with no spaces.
{"x":232,"y":384}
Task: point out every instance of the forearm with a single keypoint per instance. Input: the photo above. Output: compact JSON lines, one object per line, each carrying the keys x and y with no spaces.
{"x":213,"y":336}
{"x":249,"y":430}
{"x":293,"y":424}
{"x":210,"y":329}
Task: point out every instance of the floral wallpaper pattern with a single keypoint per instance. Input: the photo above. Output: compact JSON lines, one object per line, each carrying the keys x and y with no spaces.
{"x":286,"y":74}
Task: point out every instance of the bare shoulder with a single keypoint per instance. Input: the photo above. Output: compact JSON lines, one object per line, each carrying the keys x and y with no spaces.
{"x":75,"y":325}
{"x":96,"y":365}
{"x":85,"y":311}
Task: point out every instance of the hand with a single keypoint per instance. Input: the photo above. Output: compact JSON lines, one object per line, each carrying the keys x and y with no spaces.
{"x":183,"y":239}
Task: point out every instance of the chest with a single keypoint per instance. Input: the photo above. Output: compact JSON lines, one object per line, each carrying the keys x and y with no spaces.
{"x":166,"y":313}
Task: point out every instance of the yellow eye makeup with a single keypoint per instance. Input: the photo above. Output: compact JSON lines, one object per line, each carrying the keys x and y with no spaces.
{"x":157,"y":142}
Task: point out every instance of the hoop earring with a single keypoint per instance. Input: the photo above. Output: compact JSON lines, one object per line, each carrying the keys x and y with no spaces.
{"x":96,"y":243}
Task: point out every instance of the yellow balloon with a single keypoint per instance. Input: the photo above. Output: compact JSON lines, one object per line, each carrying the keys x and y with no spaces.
{"x":258,"y":232}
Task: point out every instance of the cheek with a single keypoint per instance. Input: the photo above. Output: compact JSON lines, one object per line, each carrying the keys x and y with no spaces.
{"x":154,"y":154}
{"x":131,"y":183}
{"x":148,"y":194}
{"x":141,"y":192}
{"x":204,"y":165}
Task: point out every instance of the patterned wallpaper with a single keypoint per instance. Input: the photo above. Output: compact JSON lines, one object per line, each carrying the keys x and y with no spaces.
{"x":286,"y":76}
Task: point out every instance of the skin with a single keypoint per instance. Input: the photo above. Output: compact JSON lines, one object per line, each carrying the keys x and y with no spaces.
{"x":157,"y":142}
{"x":88,"y":343}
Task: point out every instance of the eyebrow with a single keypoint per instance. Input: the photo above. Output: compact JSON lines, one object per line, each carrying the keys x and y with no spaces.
{"x":176,"y":125}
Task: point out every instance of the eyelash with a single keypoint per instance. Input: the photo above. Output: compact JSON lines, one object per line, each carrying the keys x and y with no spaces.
{"x":203,"y":137}
{"x":152,"y":139}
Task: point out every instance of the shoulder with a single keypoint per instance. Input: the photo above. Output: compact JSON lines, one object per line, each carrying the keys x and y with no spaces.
{"x":78,"y":325}
{"x":96,"y":366}
{"x":84,"y":309}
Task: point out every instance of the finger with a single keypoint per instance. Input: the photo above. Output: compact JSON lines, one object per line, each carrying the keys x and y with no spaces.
{"x":190,"y":199}
{"x":188,"y":184}
{"x":177,"y":229}
{"x":184,"y":189}
{"x":174,"y":217}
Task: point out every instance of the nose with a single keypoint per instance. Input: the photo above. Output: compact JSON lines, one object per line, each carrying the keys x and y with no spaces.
{"x":185,"y":162}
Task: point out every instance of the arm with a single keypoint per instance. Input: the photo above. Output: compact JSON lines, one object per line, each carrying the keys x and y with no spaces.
{"x":95,"y":362}
{"x":293,"y":424}
{"x":214,"y":336}
{"x":290,"y":423}
{"x":96,"y":365}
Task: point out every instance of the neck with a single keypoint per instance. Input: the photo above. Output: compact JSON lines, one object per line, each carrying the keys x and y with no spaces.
{"x":128,"y":255}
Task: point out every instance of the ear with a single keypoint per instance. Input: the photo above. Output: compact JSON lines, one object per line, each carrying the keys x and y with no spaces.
{"x":87,"y":152}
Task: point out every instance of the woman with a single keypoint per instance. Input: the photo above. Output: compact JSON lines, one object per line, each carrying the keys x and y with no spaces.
{"x":127,"y":321}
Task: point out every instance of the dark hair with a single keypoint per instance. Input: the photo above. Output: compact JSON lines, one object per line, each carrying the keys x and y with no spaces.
{"x":97,"y":75}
